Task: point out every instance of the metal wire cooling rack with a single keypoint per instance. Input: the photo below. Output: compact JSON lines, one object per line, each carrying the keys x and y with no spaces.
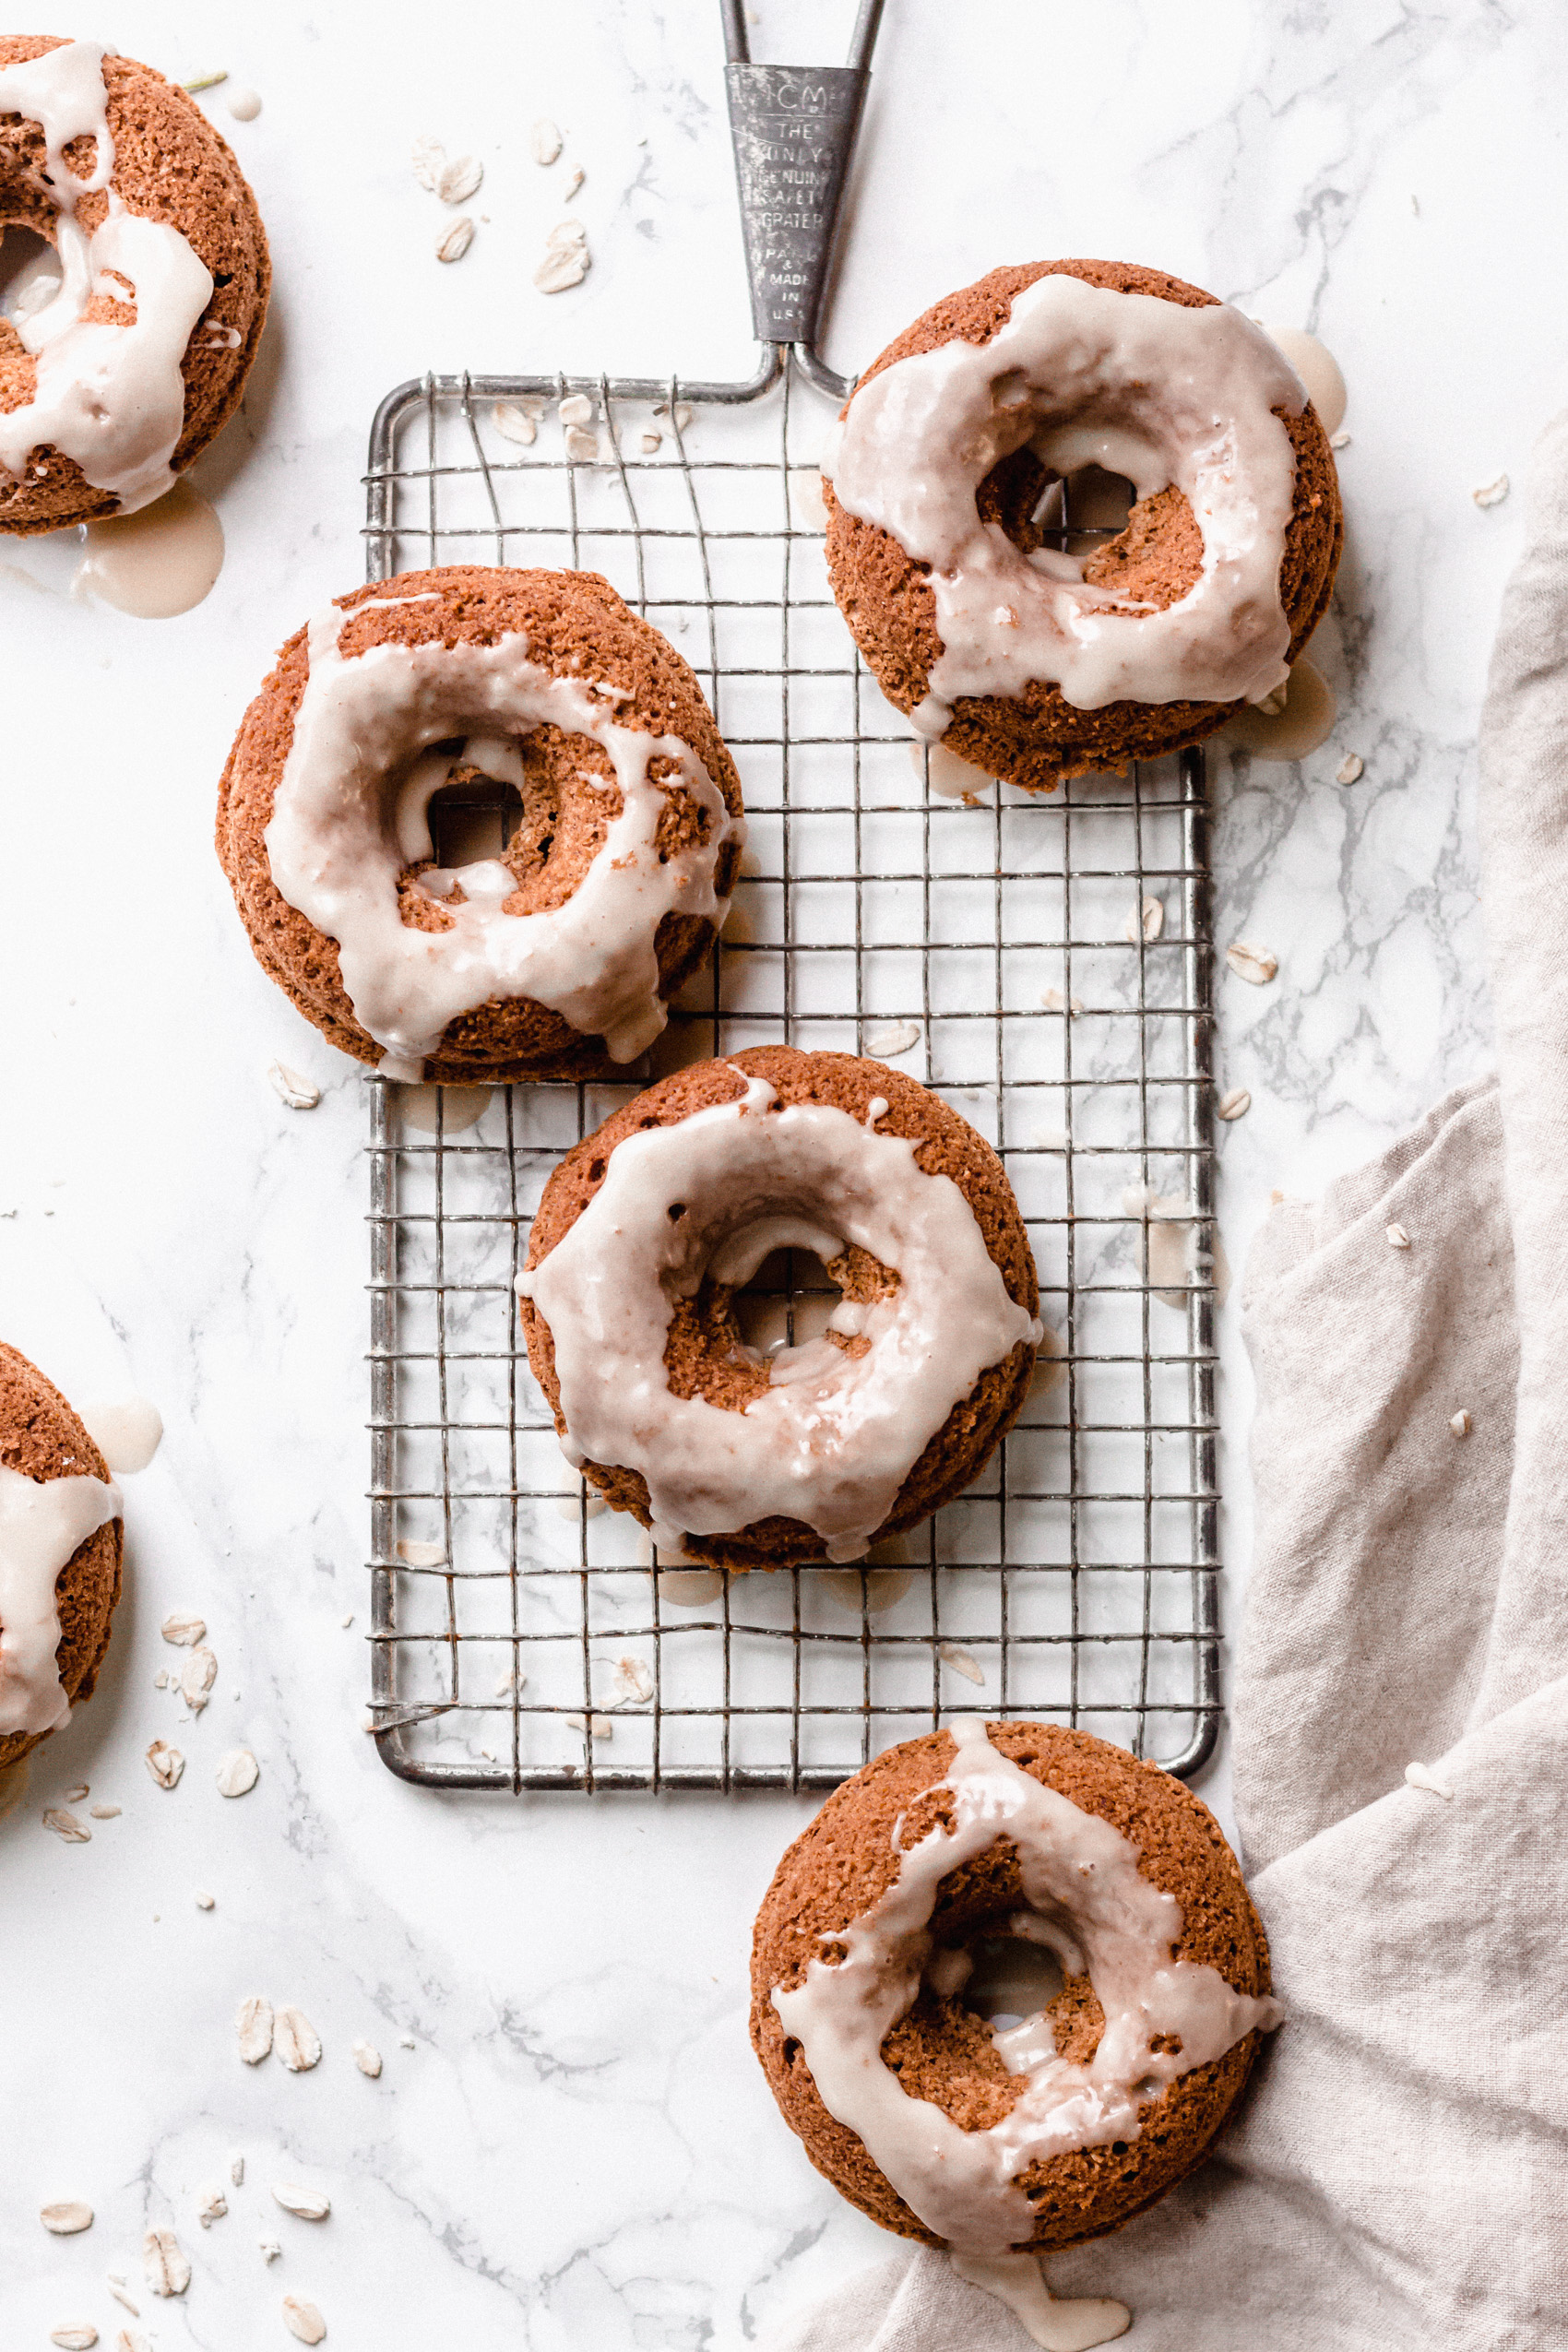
{"x":1006,"y":952}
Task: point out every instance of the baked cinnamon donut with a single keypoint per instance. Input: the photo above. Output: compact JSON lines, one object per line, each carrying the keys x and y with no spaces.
{"x":647,"y":1231}
{"x":554,"y":956}
{"x":940,"y":483}
{"x":1057,"y":2128}
{"x":60,"y":1555}
{"x":115,"y":375}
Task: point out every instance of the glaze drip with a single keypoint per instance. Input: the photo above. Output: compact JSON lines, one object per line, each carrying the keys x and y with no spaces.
{"x":42,"y":1522}
{"x":1147,"y":389}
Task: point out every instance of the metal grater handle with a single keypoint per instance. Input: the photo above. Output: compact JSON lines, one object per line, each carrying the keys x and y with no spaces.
{"x":794,"y":131}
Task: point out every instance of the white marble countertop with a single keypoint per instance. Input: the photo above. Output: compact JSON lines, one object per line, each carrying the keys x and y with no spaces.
{"x":570,"y":2143}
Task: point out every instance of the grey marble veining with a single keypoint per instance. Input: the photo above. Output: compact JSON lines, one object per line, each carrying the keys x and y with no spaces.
{"x":579,"y":2149}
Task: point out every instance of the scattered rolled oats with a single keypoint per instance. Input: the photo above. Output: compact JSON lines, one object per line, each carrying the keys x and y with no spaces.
{"x":458,"y":180}
{"x":254,"y":2025}
{"x":562,"y":269}
{"x":582,"y":444}
{"x":303,"y":2320}
{"x":296,"y":2040}
{"x":567,"y":236}
{"x":885,"y":1038}
{"x":67,"y":2219}
{"x":546,"y":141}
{"x":575,"y":183}
{"x":1150,"y":917}
{"x":1352,"y":769}
{"x":1396,"y":1237}
{"x":599,"y":1727}
{"x":455,"y":239}
{"x":237,"y":2170}
{"x":76,"y":2336}
{"x":77,"y":1795}
{"x":1420,"y":1776}
{"x":184,"y":1628}
{"x":211,"y":2206}
{"x":105,"y":1812}
{"x":367,"y":2058}
{"x":422,"y":1555}
{"x":407,"y":2041}
{"x":1461,"y":1424}
{"x":163,"y":2263}
{"x":131,"y":2339}
{"x":161,"y":1680}
{"x":576,"y":409}
{"x":165,"y":1763}
{"x":1233,"y":1105}
{"x":961,"y":1662}
{"x":238,"y":1773}
{"x":629,"y":1680}
{"x":270,"y":2248}
{"x":290,"y":1088}
{"x":1053,"y":1001}
{"x":513,"y":423}
{"x":429,"y":160}
{"x":197,"y":1677}
{"x":309,"y":2205}
{"x":205,"y":1902}
{"x":1491,"y":494}
{"x":117,"y":2288}
{"x":67,"y":1826}
{"x":1339,"y":441}
{"x":1254,"y":963}
{"x":651,"y":440}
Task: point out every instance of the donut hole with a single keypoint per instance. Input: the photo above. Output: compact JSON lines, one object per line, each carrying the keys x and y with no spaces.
{"x":1079,"y":511}
{"x":473,"y":817}
{"x":1009,"y":1979}
{"x":31,"y":274}
{"x":731,"y":1343}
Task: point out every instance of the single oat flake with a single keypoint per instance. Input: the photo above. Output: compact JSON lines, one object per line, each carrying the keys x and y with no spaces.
{"x":163,"y":2263}
{"x":1150,"y":917}
{"x":629,"y":1680}
{"x":455,"y":240}
{"x":67,"y":1826}
{"x":885,"y":1039}
{"x":458,"y":180}
{"x":271,"y":2247}
{"x":422,"y":1555}
{"x":184,"y":1628}
{"x":513,"y":423}
{"x":367,"y":2058}
{"x":211,"y":2206}
{"x":117,"y":2288}
{"x":254,"y":2025}
{"x":561,"y":270}
{"x":296,"y":2040}
{"x":303,"y":2320}
{"x":238,"y":1773}
{"x":1339,"y":441}
{"x":545,"y":140}
{"x":308,"y":2204}
{"x":67,"y":2219}
{"x":1491,"y":494}
{"x":1396,"y":1237}
{"x":197,"y":1677}
{"x":291,"y":1088}
{"x":1420,"y":1776}
{"x":576,"y":409}
{"x":582,"y":444}
{"x":961,"y":1662}
{"x":1352,"y":769}
{"x":1249,"y":963}
{"x":76,"y":2336}
{"x":1234,"y":1105}
{"x":429,"y":162}
{"x":1461,"y":1424}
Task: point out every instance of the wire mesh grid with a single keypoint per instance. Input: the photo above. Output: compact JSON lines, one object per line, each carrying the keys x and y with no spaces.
{"x":1043,"y":963}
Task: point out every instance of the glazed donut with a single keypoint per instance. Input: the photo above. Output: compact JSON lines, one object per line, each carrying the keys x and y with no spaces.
{"x":1064,"y":2125}
{"x":648,"y":1229}
{"x":1029,"y":662}
{"x":556,"y":957}
{"x":116,"y":375}
{"x":60,"y":1557}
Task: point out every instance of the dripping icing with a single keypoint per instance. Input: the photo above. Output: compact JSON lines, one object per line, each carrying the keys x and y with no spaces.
{"x":42,"y":1522}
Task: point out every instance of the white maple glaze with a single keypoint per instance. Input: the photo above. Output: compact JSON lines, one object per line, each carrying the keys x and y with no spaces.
{"x":351,"y":812}
{"x":1089,"y":1900}
{"x":1065,"y":2324}
{"x":836,"y":1434}
{"x":156,"y":563}
{"x":41,"y":1523}
{"x":108,"y":393}
{"x":1142,"y":388}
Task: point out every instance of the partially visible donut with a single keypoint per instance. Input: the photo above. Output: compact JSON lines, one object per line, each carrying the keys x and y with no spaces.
{"x":1065,"y":2126}
{"x":555,"y":958}
{"x":648,"y":1229}
{"x":111,"y":388}
{"x":1027,"y":663}
{"x":60,"y":1557}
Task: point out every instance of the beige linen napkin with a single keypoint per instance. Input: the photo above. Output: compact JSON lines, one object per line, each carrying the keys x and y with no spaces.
{"x":1398,"y":2180}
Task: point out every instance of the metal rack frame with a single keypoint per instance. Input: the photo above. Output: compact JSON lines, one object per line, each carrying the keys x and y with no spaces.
{"x":767,"y":1687}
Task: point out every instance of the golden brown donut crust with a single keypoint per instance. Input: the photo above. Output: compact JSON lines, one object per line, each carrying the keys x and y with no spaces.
{"x":1037,"y":738}
{"x":697,"y":1354}
{"x":576,"y":626}
{"x":845,"y":1860}
{"x":40,"y":1436}
{"x":170,"y":164}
